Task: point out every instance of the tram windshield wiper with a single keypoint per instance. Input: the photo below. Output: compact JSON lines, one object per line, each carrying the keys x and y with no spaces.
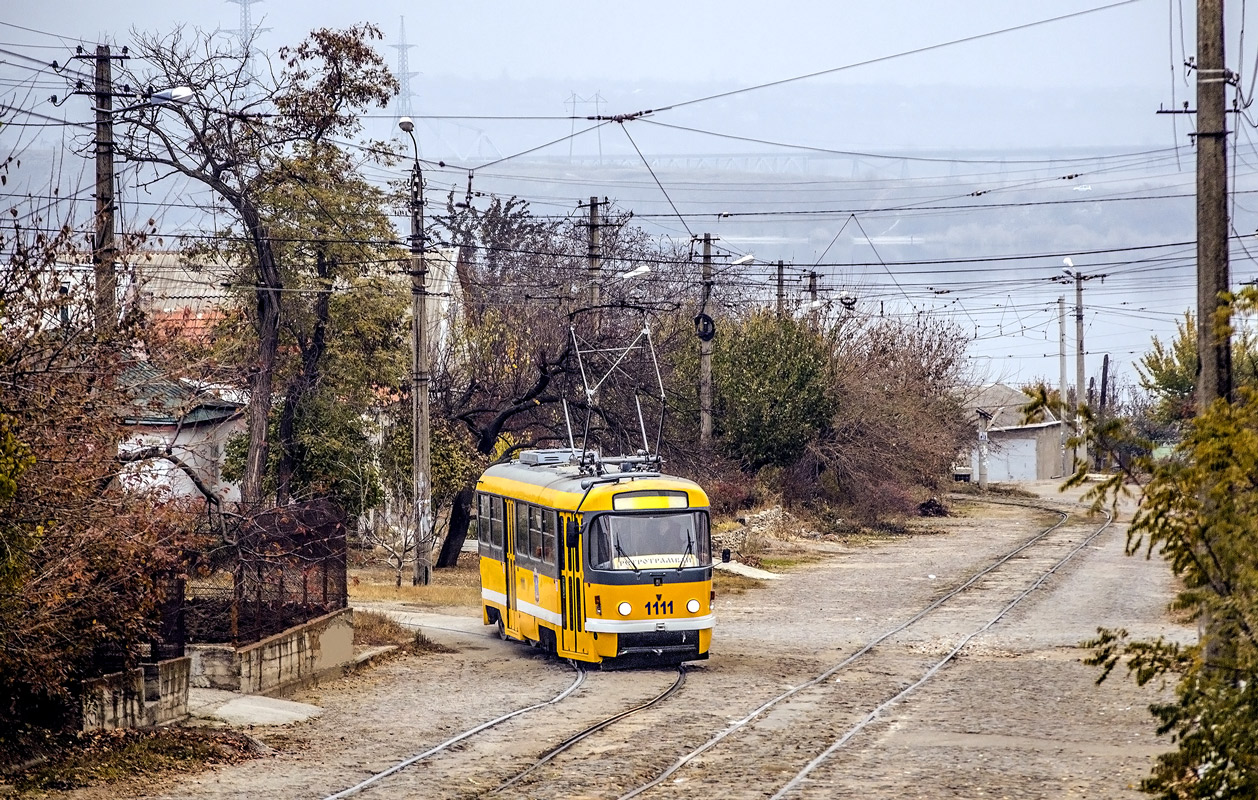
{"x":690,"y":550}
{"x":621,"y":551}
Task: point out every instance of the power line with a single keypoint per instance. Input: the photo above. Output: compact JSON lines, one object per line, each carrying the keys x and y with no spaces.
{"x":902,"y":54}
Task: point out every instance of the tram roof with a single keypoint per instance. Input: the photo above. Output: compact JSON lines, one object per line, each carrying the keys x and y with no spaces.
{"x":541,"y":483}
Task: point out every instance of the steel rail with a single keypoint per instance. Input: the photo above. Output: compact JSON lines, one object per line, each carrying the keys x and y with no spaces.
{"x":930,"y":673}
{"x":401,"y":765}
{"x":593,"y":729}
{"x":756,"y":713}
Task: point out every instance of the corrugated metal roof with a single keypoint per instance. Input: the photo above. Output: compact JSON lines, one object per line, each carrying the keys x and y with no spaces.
{"x":157,"y":399}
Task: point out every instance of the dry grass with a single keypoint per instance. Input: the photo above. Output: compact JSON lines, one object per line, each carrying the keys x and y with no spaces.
{"x":732,"y":583}
{"x":450,"y":588}
{"x":126,"y":759}
{"x":372,"y":629}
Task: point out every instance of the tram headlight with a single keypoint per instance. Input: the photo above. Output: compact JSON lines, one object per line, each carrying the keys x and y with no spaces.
{"x":693,"y":606}
{"x":624,"y":609}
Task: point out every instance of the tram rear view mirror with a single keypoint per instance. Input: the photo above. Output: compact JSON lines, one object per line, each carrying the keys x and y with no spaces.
{"x":573,"y":534}
{"x":725,"y":555}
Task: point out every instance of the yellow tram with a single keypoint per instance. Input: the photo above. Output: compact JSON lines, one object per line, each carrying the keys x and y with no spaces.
{"x":600,"y":562}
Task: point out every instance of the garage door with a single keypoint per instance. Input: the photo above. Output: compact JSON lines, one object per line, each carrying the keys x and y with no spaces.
{"x":1011,"y":460}
{"x":1008,"y":460}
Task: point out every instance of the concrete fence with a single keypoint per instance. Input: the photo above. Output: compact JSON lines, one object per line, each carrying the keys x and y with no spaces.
{"x":152,"y":694}
{"x":296,"y":657}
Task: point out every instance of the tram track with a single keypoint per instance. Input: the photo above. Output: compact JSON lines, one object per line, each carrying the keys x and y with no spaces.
{"x":454,"y":740}
{"x":590,"y":730}
{"x":748,"y":721}
{"x":932,"y":669}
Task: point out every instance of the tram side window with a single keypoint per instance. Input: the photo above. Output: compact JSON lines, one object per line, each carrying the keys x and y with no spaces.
{"x":535,"y":533}
{"x":522,"y":530}
{"x":550,"y":524}
{"x":482,"y":517}
{"x":497,"y":516}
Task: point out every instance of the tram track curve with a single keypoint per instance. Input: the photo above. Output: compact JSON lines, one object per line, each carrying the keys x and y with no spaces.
{"x":590,"y":730}
{"x":452,"y":741}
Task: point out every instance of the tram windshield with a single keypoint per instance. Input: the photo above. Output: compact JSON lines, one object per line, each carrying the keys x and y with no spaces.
{"x":650,"y":541}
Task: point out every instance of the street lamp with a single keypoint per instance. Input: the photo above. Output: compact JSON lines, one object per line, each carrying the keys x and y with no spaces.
{"x":421,"y":456}
{"x":640,"y":269}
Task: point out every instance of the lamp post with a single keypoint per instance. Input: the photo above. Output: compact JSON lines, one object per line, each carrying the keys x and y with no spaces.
{"x":421,"y":456}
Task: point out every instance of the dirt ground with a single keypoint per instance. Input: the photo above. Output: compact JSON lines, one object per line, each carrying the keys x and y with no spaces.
{"x":1017,"y":716}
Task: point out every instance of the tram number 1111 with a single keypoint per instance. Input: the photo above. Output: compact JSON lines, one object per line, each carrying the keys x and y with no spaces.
{"x":659,"y":607}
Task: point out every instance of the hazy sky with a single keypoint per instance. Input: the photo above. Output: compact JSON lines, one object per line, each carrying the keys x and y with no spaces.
{"x":1090,"y":82}
{"x":694,"y":40}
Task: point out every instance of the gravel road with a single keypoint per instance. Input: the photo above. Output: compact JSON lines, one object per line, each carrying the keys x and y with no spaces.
{"x":1016,"y":715}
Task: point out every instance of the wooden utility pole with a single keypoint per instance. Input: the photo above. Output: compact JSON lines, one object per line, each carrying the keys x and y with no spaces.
{"x":1214,"y":375}
{"x":705,"y":351}
{"x":104,"y":250}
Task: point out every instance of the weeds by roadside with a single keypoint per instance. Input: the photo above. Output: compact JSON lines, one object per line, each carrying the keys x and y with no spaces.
{"x":108,"y":757}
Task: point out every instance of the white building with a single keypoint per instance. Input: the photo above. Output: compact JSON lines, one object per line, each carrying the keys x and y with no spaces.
{"x":192,"y":424}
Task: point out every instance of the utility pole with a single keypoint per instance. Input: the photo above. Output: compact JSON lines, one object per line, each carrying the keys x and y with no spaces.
{"x":421,"y":455}
{"x":1214,"y":376}
{"x":1214,"y":350}
{"x":595,"y":257}
{"x":1061,"y":380}
{"x":781,"y":290}
{"x":1081,"y":449}
{"x":985,"y":422}
{"x":1103,"y":457}
{"x":104,"y":250}
{"x":1071,"y":274}
{"x":705,"y":351}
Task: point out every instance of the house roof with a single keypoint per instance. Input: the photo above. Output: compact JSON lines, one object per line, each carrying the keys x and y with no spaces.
{"x":157,"y":399}
{"x":1001,"y":403}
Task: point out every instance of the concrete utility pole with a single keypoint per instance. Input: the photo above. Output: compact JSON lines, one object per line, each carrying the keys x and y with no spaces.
{"x":985,"y":422}
{"x":104,"y":250}
{"x":1214,"y":376}
{"x":595,"y":257}
{"x":1081,"y":450}
{"x":1061,"y":380}
{"x":705,"y":352}
{"x":421,"y":455}
{"x":781,"y":289}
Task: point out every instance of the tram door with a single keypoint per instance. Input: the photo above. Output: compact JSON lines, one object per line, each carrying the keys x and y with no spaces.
{"x":512,"y":622}
{"x":570,"y":588}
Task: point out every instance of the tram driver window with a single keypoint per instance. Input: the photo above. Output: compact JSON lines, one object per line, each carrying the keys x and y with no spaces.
{"x":600,"y":544}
